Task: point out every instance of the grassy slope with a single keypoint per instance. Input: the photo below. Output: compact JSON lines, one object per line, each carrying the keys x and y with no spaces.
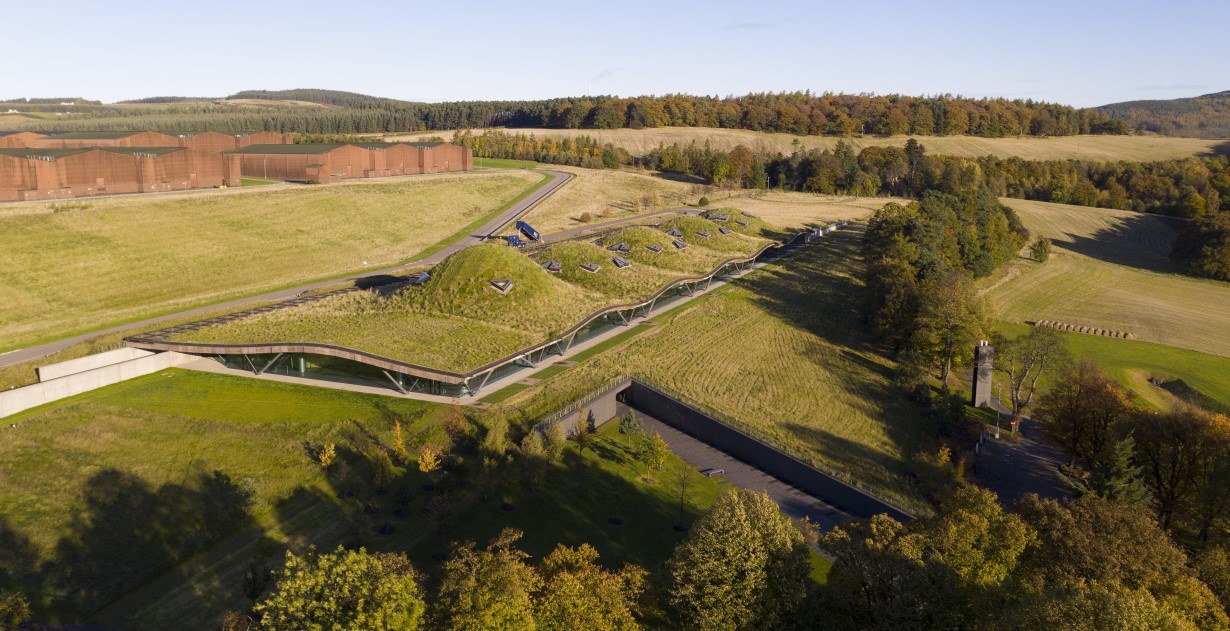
{"x":783,"y":354}
{"x":128,"y":257}
{"x":1141,"y":148}
{"x":164,"y":427}
{"x":1109,"y":270}
{"x":160,"y":432}
{"x":423,"y":324}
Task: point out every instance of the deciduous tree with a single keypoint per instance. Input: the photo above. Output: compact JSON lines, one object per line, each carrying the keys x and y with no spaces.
{"x":744,"y":565}
{"x":344,"y":589}
{"x":577,"y":593}
{"x":486,"y":589}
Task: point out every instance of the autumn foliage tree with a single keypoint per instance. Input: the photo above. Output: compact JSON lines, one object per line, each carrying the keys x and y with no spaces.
{"x":343,"y":590}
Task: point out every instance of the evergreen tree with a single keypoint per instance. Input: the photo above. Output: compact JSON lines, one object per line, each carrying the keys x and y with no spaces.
{"x":1116,"y":478}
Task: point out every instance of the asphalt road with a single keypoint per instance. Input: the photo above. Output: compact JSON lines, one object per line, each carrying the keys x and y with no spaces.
{"x":794,"y":502}
{"x":558,"y":179}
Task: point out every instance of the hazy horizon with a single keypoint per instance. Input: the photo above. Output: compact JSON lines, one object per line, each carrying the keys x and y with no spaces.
{"x":1081,"y":54}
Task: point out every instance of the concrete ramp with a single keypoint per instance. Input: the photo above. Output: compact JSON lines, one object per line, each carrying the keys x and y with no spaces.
{"x":85,"y":374}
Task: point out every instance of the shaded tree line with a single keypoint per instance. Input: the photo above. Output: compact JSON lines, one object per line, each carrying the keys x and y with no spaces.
{"x":1202,"y":247}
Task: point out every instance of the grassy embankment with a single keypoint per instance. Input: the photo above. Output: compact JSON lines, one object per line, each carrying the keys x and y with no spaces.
{"x":124,"y":259}
{"x":781,"y":354}
{"x":423,"y":324}
{"x":642,"y":141}
{"x":1109,"y":270}
{"x":131,"y":490}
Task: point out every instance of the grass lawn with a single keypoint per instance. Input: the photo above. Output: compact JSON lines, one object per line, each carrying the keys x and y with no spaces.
{"x":117,"y":485}
{"x":499,"y":163}
{"x":1109,"y":269}
{"x":127,"y":258}
{"x":124,"y":489}
{"x":642,"y":141}
{"x":256,"y":181}
{"x":1184,"y":373}
{"x":783,"y":355}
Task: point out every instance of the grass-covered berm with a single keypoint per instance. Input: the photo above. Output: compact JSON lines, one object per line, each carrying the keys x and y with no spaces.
{"x":458,"y":320}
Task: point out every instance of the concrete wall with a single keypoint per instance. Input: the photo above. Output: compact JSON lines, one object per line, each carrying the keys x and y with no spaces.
{"x":21,"y":399}
{"x":89,"y":362}
{"x":849,"y":499}
{"x":598,"y":410}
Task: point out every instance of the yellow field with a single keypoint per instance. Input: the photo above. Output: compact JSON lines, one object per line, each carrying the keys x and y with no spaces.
{"x":607,"y":195}
{"x":1109,"y":269}
{"x":108,"y":260}
{"x":802,"y":210}
{"x":1138,"y":148}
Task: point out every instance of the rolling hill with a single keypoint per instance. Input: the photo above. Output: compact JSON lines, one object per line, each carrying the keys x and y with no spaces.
{"x":1205,"y":116}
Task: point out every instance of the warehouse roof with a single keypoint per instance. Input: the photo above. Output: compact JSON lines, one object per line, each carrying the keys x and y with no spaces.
{"x":97,"y":135}
{"x":301,"y":149}
{"x":425,"y":145}
{"x":236,"y":134}
{"x":22,"y":131}
{"x":41,"y":154}
{"x":143,"y":152}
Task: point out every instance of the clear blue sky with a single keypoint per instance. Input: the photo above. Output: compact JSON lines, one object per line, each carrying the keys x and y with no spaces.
{"x":1076,"y":51}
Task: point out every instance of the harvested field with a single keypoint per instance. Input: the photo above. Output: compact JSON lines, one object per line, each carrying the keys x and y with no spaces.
{"x":607,"y":195}
{"x":1109,"y":269}
{"x":1138,"y":148}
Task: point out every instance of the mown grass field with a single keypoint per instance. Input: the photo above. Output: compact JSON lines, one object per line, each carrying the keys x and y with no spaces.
{"x":1198,"y":377}
{"x":1138,"y":148}
{"x":781,"y":353}
{"x":1109,"y":269}
{"x":124,"y":258}
{"x":111,"y":488}
{"x":424,"y":325}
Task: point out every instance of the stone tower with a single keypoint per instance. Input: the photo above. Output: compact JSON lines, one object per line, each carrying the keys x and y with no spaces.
{"x":984,"y":360}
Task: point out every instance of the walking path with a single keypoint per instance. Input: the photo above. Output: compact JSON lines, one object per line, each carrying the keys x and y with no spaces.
{"x":558,"y":179}
{"x":793,"y":502}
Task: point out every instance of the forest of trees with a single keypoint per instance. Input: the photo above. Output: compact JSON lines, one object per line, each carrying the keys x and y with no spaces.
{"x":1202,"y":247}
{"x":801,"y":113}
{"x":1205,"y":116}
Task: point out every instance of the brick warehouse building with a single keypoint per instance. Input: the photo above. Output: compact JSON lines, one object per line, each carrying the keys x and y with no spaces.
{"x":327,"y":163}
{"x":11,"y":139}
{"x":33,"y":174}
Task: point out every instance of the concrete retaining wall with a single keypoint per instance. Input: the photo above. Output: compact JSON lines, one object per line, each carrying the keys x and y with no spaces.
{"x":90,"y":362}
{"x":598,"y":409}
{"x":849,"y":499}
{"x":21,"y":399}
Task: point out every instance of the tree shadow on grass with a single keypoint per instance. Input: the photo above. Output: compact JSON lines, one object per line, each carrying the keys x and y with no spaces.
{"x":125,"y":534}
{"x":1140,"y":241}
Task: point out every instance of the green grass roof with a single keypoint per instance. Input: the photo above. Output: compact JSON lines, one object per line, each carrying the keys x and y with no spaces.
{"x":145,"y":152}
{"x":290,"y":149}
{"x":41,"y":154}
{"x":95,"y":135}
